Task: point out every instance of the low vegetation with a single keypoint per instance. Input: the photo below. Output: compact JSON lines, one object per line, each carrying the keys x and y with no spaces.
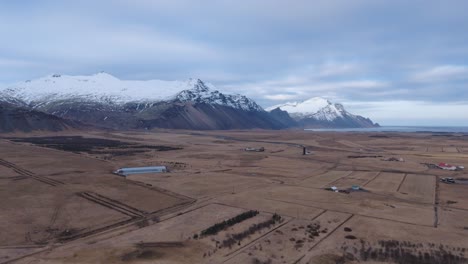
{"x":238,"y":237}
{"x":92,"y":145}
{"x":214,"y":229}
{"x":404,"y":252}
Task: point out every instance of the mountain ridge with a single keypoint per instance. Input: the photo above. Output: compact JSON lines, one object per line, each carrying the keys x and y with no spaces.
{"x":320,"y":112}
{"x":103,"y":100}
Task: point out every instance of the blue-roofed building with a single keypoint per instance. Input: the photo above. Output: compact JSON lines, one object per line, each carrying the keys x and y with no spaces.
{"x":140,"y":170}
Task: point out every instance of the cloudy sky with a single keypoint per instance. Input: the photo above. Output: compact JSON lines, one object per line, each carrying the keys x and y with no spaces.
{"x":399,"y":62}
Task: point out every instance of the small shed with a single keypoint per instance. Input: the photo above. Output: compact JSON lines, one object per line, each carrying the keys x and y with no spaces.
{"x":140,"y":170}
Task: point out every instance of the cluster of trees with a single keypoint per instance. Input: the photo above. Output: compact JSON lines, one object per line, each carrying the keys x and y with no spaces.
{"x":236,"y":238}
{"x":214,"y":229}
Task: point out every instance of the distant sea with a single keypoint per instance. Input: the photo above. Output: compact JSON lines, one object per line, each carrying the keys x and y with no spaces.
{"x":435,"y":129}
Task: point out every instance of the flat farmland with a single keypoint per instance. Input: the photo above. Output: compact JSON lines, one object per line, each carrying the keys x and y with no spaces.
{"x":7,"y":173}
{"x":375,"y":240}
{"x":419,"y":187}
{"x":434,"y":149}
{"x":49,"y":215}
{"x":290,"y":242}
{"x":62,"y":204}
{"x":356,"y":178}
{"x":323,"y":180}
{"x":140,"y":197}
{"x":164,"y":233}
{"x":420,"y":149}
{"x":450,"y":149}
{"x":264,"y":202}
{"x":451,"y":218}
{"x":453,"y":195}
{"x":208,"y":184}
{"x":378,"y":205}
{"x":219,"y":242}
{"x":386,"y":182}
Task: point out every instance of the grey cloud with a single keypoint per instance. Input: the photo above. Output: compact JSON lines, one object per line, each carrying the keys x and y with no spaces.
{"x":357,"y":50}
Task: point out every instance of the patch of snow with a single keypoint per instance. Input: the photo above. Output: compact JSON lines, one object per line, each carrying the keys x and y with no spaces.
{"x":101,"y":87}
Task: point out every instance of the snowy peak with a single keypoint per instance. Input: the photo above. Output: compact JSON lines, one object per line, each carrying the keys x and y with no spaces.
{"x":100,"y":87}
{"x":198,"y":92}
{"x":316,"y":107}
{"x":202,"y":93}
{"x":103,"y":88}
{"x":311,"y":105}
{"x":320,"y":112}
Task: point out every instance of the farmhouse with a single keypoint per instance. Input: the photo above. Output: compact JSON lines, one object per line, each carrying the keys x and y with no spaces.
{"x":140,"y":170}
{"x":445,"y":166}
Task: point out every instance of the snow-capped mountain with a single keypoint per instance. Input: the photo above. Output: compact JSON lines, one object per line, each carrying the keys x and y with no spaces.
{"x":316,"y":107}
{"x":320,"y":112}
{"x":201,"y":93}
{"x":104,"y":100}
{"x":105,"y":88}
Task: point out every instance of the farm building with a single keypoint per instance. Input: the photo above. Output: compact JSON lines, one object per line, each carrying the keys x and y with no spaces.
{"x":446,"y":166}
{"x":140,"y":170}
{"x":262,"y":149}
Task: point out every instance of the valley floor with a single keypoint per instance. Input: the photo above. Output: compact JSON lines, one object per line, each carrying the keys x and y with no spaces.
{"x":61,"y":203}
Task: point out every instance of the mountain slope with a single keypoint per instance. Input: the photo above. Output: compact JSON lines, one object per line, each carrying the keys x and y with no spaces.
{"x":283,"y":118}
{"x":203,"y":116}
{"x":105,"y":101}
{"x":319,"y":112}
{"x":14,"y":119}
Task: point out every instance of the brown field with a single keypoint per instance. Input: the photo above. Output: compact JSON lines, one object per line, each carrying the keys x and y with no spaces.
{"x":356,"y":178}
{"x":61,"y":203}
{"x":419,"y":187}
{"x":326,"y":179}
{"x":450,"y":149}
{"x":386,"y":182}
{"x":293,"y":239}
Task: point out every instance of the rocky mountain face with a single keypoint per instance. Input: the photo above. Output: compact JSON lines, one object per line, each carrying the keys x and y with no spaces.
{"x":105,"y":101}
{"x":102,"y":100}
{"x":18,"y":119}
{"x":283,"y":118}
{"x":318,"y":112}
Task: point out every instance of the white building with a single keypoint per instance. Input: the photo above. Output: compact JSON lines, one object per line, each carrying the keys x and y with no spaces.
{"x":140,"y":170}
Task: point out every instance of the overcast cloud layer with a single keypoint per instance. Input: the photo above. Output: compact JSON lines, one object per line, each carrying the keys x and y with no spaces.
{"x":398,"y":62}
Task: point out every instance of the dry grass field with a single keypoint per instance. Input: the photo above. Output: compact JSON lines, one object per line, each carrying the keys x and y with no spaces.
{"x":218,"y":203}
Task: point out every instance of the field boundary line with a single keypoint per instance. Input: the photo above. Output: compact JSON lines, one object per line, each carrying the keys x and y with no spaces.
{"x":263,"y":211}
{"x":401,"y":182}
{"x":369,"y":216}
{"x":240,"y":250}
{"x":375,"y":177}
{"x":27,"y":255}
{"x":325,"y":237}
{"x":265,"y":236}
{"x":330,"y":183}
{"x":436,"y":202}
